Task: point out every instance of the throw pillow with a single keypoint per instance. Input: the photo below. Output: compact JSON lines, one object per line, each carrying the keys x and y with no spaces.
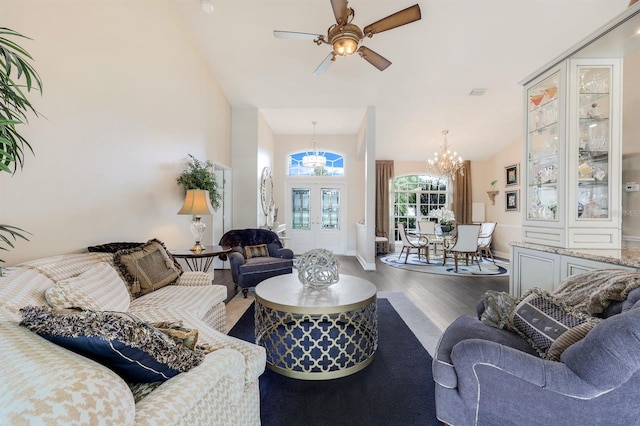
{"x":147,"y":267}
{"x":547,"y":324}
{"x":260,"y":250}
{"x":99,"y":288}
{"x":135,"y":350}
{"x":182,"y":335}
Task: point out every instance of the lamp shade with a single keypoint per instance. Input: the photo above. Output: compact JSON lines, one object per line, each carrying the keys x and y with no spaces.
{"x":197,"y":203}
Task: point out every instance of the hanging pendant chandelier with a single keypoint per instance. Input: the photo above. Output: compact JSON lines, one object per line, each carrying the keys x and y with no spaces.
{"x":314,"y":159}
{"x":446,"y":163}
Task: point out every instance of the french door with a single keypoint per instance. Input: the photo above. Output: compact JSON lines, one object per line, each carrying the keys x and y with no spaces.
{"x":315,"y":217}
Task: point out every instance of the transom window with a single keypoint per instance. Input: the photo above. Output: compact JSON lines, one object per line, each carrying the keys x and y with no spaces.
{"x":334,"y":165}
{"x":414,"y":197}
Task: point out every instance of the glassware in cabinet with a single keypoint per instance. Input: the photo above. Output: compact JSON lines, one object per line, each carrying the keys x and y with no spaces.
{"x":594,"y":110}
{"x":542,"y":149}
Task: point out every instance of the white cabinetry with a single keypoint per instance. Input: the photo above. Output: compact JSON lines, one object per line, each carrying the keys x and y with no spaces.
{"x":532,"y":268}
{"x":546,"y":268}
{"x":572,"y":155}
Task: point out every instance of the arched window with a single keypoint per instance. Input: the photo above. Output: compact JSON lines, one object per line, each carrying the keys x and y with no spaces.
{"x":414,"y":197}
{"x":334,"y":165}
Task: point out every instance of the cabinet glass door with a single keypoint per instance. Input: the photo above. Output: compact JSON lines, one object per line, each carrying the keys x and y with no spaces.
{"x":542,"y":149}
{"x":594,"y":110}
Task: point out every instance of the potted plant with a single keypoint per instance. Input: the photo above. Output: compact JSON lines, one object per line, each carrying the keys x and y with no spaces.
{"x":16,"y":75}
{"x":199,"y":175}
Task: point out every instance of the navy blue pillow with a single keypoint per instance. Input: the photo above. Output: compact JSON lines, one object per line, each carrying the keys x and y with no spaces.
{"x":134,"y":349}
{"x":132,"y":364}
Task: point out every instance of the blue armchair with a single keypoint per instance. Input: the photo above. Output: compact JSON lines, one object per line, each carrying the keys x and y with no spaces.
{"x":256,"y":254}
{"x":491,"y":376}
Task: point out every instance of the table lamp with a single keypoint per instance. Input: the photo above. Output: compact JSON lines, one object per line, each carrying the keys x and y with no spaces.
{"x":197,"y":203}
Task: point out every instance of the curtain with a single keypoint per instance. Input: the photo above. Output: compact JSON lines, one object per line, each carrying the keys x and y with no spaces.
{"x":462,"y":201}
{"x":384,"y":173}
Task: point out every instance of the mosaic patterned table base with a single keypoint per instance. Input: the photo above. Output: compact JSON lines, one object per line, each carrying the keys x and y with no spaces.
{"x":318,"y":346}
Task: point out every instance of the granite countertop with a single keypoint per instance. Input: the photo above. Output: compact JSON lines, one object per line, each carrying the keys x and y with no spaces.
{"x":626,"y":256}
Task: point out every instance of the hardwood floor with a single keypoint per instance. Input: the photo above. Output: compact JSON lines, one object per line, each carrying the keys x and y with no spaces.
{"x":442,"y":298}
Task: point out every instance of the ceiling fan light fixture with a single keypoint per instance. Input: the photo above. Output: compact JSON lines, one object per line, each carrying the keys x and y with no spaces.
{"x":345,"y":39}
{"x":345,"y":46}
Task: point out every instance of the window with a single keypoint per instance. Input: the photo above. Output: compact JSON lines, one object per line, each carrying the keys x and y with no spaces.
{"x":414,"y":197}
{"x":334,"y":166}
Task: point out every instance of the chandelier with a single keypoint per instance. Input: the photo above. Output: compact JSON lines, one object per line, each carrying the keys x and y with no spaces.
{"x":445,"y":163}
{"x":314,"y":159}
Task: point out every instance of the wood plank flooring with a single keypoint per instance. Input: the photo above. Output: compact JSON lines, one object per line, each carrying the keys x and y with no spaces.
{"x":442,"y":298}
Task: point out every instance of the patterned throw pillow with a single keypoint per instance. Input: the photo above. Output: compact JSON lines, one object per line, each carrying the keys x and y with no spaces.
{"x":99,"y":288}
{"x":260,"y":250}
{"x":147,"y":267}
{"x":136,"y":351}
{"x":548,"y":325}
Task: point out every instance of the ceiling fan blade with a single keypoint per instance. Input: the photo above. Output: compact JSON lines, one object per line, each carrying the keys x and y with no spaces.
{"x":340,"y":10}
{"x":295,"y":35}
{"x":374,"y":59}
{"x":325,"y":64}
{"x":403,"y":17}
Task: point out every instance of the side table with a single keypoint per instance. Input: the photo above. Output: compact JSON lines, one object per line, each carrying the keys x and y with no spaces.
{"x":199,"y":261}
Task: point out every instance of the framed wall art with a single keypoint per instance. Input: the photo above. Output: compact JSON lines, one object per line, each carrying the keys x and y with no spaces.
{"x":511,"y":174}
{"x":512,"y":200}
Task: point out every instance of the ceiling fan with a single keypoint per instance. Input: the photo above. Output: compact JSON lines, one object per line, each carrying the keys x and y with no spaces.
{"x":346,"y":38}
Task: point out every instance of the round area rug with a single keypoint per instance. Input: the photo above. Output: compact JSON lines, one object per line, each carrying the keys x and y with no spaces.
{"x":487,"y":267}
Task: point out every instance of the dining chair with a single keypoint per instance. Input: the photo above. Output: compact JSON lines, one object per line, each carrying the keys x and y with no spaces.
{"x":465,"y":244}
{"x":427,"y":228}
{"x":484,"y":240}
{"x":382,"y":242}
{"x":420,"y":245}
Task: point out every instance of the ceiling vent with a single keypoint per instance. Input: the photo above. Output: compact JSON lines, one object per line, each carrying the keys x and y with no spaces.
{"x":477,"y":92}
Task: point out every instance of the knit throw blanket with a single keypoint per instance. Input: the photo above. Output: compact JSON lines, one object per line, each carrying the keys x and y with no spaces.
{"x":590,"y":292}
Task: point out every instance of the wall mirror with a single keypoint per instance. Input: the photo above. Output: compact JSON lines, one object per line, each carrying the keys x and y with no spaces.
{"x":266,"y":192}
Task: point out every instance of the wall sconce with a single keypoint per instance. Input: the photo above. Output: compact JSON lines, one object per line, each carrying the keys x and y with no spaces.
{"x":492,"y":196}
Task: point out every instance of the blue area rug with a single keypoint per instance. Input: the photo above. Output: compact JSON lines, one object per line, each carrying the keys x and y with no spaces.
{"x":487,"y":267}
{"x":397,"y":388}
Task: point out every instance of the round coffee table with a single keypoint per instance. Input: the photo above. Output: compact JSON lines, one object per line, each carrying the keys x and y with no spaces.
{"x":316,"y":334}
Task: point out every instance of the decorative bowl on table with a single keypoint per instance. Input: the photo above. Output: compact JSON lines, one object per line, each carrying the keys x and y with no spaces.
{"x":317,"y":268}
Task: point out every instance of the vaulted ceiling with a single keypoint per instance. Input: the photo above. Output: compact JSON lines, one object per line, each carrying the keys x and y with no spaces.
{"x":457,"y":46}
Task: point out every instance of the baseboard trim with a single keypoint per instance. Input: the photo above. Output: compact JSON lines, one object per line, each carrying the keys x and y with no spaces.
{"x":367,"y":266}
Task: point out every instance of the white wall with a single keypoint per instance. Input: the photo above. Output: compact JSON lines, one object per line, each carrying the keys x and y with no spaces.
{"x":126,"y":98}
{"x":244,"y":148}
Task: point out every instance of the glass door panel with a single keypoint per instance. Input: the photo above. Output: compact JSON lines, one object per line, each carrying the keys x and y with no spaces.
{"x":300,"y":208}
{"x":542,"y":150}
{"x":330,"y":208}
{"x":594,"y":110}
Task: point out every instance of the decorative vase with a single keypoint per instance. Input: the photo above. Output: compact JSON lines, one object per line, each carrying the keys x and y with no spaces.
{"x":318,"y":268}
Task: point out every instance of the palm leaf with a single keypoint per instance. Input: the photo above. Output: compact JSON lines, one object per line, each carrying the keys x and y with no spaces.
{"x":9,"y":234}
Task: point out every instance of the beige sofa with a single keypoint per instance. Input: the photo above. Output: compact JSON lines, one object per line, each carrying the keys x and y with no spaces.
{"x":43,"y":383}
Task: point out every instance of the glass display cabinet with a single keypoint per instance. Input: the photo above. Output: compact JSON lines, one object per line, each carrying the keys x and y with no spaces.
{"x":542,"y":156}
{"x":572,"y":155}
{"x":593,"y":150}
